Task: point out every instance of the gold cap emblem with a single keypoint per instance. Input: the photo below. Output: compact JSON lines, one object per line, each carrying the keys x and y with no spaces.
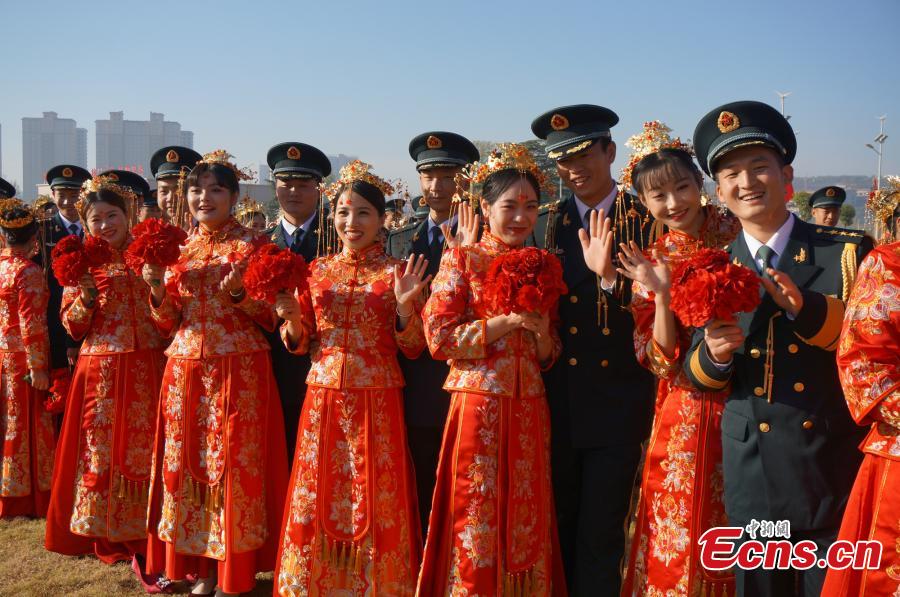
{"x":559,"y":122}
{"x":172,"y":156}
{"x":433,"y":142}
{"x":293,"y":153}
{"x":728,"y":122}
{"x":421,"y":201}
{"x":67,"y":172}
{"x":830,"y":193}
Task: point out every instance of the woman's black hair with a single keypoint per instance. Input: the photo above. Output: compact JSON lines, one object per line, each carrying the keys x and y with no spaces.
{"x":663,"y":166}
{"x":224,"y":176}
{"x":497,"y":182}
{"x":103,"y":196}
{"x":367,"y":191}
{"x":21,"y":235}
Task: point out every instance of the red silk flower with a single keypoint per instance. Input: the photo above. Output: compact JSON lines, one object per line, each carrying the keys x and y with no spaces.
{"x":60,"y":380}
{"x":525,"y":280}
{"x":272,"y":270}
{"x":708,"y":286}
{"x":72,"y":257}
{"x":156,"y":243}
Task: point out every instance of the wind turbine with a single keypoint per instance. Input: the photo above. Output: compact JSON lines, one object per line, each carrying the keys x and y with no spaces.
{"x":782,"y":95}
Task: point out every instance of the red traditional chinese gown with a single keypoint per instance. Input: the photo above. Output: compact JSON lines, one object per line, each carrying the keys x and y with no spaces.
{"x":220,"y":471}
{"x":869,"y":367}
{"x":681,"y":486}
{"x":492,"y":529}
{"x":99,"y":500}
{"x":351,"y":525}
{"x":27,"y":439}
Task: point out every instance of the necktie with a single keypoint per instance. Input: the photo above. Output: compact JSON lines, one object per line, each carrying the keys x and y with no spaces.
{"x":74,"y":229}
{"x":296,"y":240}
{"x":587,"y":219}
{"x":437,"y":241}
{"x":765,"y":254}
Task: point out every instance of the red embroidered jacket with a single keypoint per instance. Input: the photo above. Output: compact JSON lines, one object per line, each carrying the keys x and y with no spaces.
{"x":23,"y":309}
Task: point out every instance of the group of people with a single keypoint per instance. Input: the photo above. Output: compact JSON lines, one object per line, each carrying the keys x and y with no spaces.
{"x":387,"y":429}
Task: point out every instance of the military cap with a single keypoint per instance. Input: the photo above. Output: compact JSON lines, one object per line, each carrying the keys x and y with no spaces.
{"x":131,"y":180}
{"x":168,"y":161}
{"x":7,"y":191}
{"x":741,"y":124}
{"x":828,"y":197}
{"x":394,"y":205}
{"x":437,"y":149}
{"x":421,"y":207}
{"x":150,"y":199}
{"x":297,"y":160}
{"x":571,"y":129}
{"x":67,"y":176}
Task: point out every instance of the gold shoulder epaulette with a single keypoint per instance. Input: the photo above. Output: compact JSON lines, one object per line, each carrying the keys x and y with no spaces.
{"x":847,"y":235}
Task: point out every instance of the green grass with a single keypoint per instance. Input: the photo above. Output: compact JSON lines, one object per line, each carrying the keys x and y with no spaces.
{"x":26,"y":568}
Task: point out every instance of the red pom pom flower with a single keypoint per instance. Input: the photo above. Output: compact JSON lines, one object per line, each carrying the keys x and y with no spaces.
{"x":155,"y":242}
{"x":527,"y":280}
{"x":273,"y":270}
{"x":72,"y":258}
{"x":60,"y":380}
{"x":708,"y":286}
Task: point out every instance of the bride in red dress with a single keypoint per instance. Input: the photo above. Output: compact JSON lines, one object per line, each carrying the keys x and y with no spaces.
{"x":681,"y":485}
{"x":351,"y":525}
{"x":220,"y":474}
{"x":101,"y":481}
{"x":28,"y":440}
{"x":492,"y":527}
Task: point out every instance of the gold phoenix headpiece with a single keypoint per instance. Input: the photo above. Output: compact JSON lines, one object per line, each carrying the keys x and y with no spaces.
{"x":223,"y":158}
{"x":246,"y":206}
{"x":654,"y":137}
{"x":352,"y":172}
{"x":506,"y":156}
{"x":882,"y":203}
{"x":7,"y":205}
{"x":104,"y":183}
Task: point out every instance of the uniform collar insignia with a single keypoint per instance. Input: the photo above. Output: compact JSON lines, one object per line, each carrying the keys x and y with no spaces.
{"x":566,"y":220}
{"x":801,"y":256}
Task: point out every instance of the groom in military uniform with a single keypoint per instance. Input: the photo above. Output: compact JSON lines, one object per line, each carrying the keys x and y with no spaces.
{"x":789,"y":445}
{"x":297,"y":170}
{"x":439,"y":157}
{"x":601,"y":399}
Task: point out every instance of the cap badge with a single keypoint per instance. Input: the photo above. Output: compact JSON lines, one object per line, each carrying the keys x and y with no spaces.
{"x":171,"y":156}
{"x":728,"y":122}
{"x":421,"y":201}
{"x":293,"y":153}
{"x":830,"y":193}
{"x":559,"y":122}
{"x":433,"y":142}
{"x":67,"y":172}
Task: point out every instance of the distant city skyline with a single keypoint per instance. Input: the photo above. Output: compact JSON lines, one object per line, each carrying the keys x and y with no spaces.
{"x":129,"y":144}
{"x":363,"y":78}
{"x":49,"y":141}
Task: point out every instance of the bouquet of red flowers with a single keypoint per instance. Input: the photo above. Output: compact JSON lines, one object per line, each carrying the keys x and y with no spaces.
{"x":273,"y":270}
{"x":156,"y":243}
{"x":525,"y":280}
{"x":708,"y":286}
{"x":72,"y":257}
{"x":60,"y":380}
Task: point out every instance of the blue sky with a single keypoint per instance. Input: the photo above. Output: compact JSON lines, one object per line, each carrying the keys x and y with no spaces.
{"x":362,"y":78}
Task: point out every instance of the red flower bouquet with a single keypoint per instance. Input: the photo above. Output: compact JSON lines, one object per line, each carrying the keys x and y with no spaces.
{"x":708,"y":286}
{"x":525,"y":280}
{"x":156,"y":243}
{"x":72,"y":257}
{"x":60,"y":380}
{"x":273,"y":270}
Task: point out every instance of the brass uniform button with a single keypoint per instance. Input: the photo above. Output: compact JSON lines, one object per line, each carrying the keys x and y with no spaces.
{"x":807,"y":424}
{"x":758,"y":391}
{"x":573,"y":299}
{"x":793,"y":348}
{"x":573,"y":361}
{"x":799,"y":387}
{"x":604,"y":363}
{"x":573,"y":330}
{"x":755,"y":353}
{"x":764,"y":427}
